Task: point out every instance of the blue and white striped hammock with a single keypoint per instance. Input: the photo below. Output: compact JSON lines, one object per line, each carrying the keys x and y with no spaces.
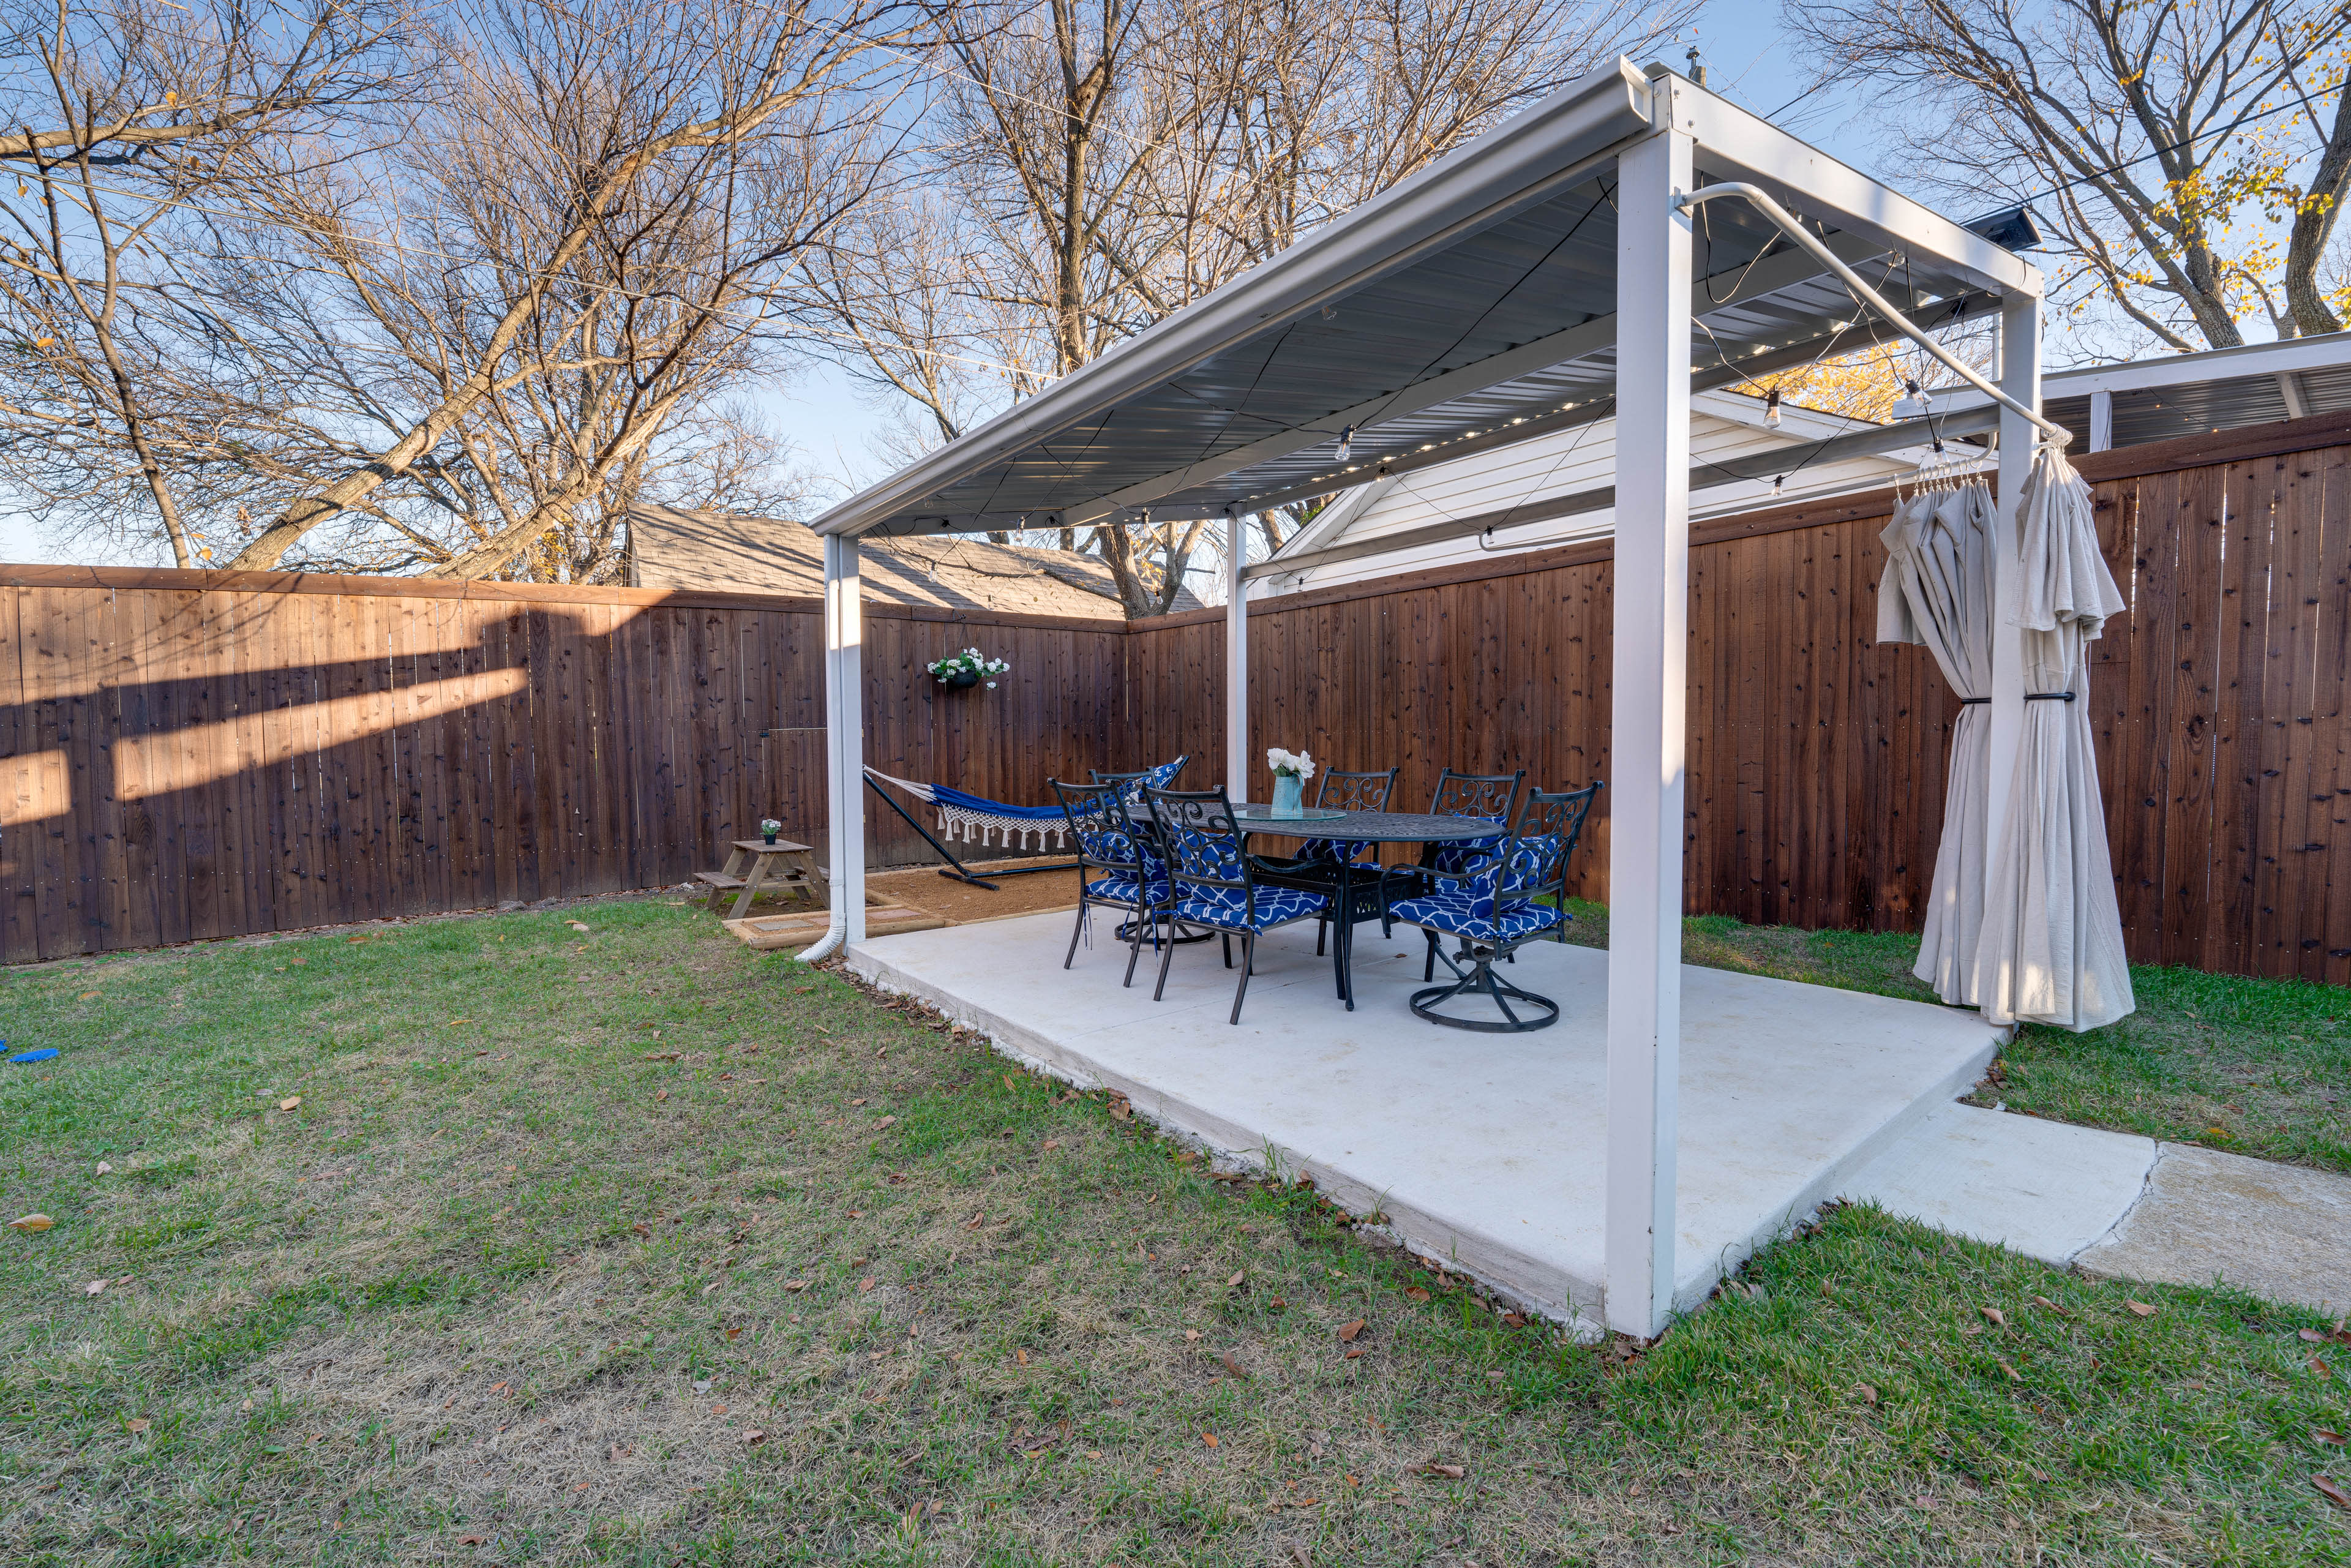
{"x":977,"y":820}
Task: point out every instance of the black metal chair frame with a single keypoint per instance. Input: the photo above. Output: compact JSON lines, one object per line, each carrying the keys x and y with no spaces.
{"x":1544,"y":813}
{"x":1209,"y":811}
{"x":1101,"y":802}
{"x":1130,"y":786}
{"x":1493,"y":797}
{"x":1357,"y":792}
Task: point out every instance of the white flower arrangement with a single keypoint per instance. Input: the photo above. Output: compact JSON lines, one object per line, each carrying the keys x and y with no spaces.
{"x":770,"y":827}
{"x":970,"y":662}
{"x":1298,"y":763}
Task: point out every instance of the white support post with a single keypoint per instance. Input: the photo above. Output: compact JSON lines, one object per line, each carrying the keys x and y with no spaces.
{"x":844,"y":732}
{"x":1237,"y":735}
{"x":2102,"y":421}
{"x":1647,"y":736}
{"x":2020,"y":378}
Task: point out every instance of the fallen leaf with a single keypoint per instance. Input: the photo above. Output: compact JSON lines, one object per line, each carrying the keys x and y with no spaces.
{"x":662,"y":1056}
{"x":2326,"y":1434}
{"x":1209,"y":1439}
{"x":1231,"y":1365}
{"x":87,"y":995}
{"x":886,"y":1122}
{"x":31,"y":1222}
{"x":1415,"y":1293}
{"x":298,"y":960}
{"x":976,"y":1220}
{"x":1514,"y":1319}
{"x":355,"y":938}
{"x":710,"y":1287}
{"x":2141,"y":1307}
{"x":1347,"y":1331}
{"x":105,"y":1169}
{"x":2333,"y":1493}
{"x":497,"y":1387}
{"x":641,"y":1228}
{"x":718,"y":1410}
{"x":2317,"y":1365}
{"x":1450,"y":1472}
{"x":1120,"y":1109}
{"x":1867,"y":1391}
{"x":470,"y":1539}
{"x":661,"y":1095}
{"x":866,"y":1283}
{"x":1190,"y":1336}
{"x":289,"y":1102}
{"x":1021,"y":1357}
{"x":93,"y":1288}
{"x":1049,"y":1145}
{"x":2313,"y":1335}
{"x":1237,"y":1279}
{"x":2013,"y":1375}
{"x":577,"y":925}
{"x":734,"y":1333}
{"x":2045,"y":1301}
{"x":1353,"y":1354}
{"x":796,"y":1286}
{"x":138,"y":1423}
{"x":754,"y":1436}
{"x":1993,"y":1314}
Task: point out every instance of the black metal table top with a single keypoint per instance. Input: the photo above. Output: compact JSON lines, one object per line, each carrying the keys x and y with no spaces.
{"x":1361,"y":827}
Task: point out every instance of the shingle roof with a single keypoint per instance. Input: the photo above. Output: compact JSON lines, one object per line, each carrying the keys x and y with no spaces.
{"x":719,"y":552}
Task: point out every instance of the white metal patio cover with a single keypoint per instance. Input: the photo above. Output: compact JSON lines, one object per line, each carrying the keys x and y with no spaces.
{"x":1544,"y":274}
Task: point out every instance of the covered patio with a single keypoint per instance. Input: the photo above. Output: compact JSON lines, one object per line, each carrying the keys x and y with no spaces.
{"x":1570,"y":265}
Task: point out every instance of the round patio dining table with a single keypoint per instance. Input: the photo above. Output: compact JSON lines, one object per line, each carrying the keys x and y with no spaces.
{"x":1353,"y":896}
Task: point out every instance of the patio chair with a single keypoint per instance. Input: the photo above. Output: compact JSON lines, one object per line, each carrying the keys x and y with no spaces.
{"x":1212,"y":884}
{"x":1131,"y":784}
{"x":1492,"y":796}
{"x":1316,"y":858}
{"x":1108,"y":843}
{"x":1508,"y":896}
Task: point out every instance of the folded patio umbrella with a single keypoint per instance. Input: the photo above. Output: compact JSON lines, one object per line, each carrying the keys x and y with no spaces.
{"x":2051,"y":947}
{"x":1936,"y":591}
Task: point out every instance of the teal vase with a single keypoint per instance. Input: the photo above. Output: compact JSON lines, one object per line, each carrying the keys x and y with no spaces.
{"x":1289,"y":789}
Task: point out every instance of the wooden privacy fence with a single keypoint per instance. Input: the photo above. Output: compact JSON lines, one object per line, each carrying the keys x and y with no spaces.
{"x":192,"y":754}
{"x":207,"y":754}
{"x":1816,"y":764}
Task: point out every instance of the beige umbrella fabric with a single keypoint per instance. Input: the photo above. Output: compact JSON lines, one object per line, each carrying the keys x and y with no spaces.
{"x":2051,"y":949}
{"x":1936,"y":591}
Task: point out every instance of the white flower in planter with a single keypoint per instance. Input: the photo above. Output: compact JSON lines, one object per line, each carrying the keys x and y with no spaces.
{"x":1298,"y":763}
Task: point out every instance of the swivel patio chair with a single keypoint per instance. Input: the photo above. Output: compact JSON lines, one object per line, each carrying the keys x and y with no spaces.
{"x":1508,"y":896}
{"x":1490,"y":795}
{"x":1110,"y":845}
{"x":1211,"y":881}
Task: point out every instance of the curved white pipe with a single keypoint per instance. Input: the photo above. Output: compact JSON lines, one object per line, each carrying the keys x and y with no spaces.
{"x":830,"y":943}
{"x":1787,"y":224}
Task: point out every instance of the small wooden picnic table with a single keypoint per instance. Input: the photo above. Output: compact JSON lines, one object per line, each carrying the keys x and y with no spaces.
{"x":757,"y":864}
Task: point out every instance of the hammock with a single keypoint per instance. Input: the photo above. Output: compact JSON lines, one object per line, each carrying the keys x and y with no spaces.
{"x":977,"y":820}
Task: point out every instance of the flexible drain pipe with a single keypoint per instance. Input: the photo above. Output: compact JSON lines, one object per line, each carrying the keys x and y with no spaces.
{"x":1761,"y":201}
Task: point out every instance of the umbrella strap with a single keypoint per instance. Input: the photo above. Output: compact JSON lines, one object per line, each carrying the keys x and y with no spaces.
{"x":1971,"y":702}
{"x":2049,"y":696}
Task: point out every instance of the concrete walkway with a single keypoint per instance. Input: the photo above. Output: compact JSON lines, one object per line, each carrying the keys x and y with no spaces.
{"x":2120,"y":1206}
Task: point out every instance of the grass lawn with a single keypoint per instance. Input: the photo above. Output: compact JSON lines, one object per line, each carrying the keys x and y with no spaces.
{"x":2255,"y":1067}
{"x":496,"y":1240}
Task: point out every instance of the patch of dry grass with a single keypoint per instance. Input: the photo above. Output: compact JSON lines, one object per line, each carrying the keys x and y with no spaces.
{"x":631,"y":1245}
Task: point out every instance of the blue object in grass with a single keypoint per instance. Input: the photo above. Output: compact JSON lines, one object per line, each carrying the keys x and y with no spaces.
{"x":43,"y":1055}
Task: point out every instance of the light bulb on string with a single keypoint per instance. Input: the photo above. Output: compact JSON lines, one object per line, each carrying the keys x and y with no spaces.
{"x":1777,"y":480}
{"x":1771,"y":408}
{"x":1346,"y":442}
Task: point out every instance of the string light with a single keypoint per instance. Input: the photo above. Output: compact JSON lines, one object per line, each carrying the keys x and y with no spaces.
{"x":1771,"y":408}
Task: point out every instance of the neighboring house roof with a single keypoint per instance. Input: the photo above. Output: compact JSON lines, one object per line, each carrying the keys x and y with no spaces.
{"x":1723,"y":425}
{"x":2190,"y":394}
{"x":717,"y":552}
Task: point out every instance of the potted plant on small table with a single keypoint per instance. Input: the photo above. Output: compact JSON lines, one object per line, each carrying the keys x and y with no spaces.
{"x":769,"y":827}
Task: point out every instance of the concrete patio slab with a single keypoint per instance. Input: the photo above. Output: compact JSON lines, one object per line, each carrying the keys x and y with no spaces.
{"x":2047,"y":1189}
{"x":1485,"y":1151}
{"x":2279,"y":1231}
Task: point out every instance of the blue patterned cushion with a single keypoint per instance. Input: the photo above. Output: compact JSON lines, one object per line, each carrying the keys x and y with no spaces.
{"x":1125,"y":889}
{"x":1474,"y":917}
{"x":1224,"y":907}
{"x":1456,"y":854}
{"x":1330,"y":851}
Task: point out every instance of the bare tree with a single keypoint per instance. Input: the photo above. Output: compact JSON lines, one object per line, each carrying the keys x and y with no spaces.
{"x":2153,"y":136}
{"x":484,"y":327}
{"x":125,"y":125}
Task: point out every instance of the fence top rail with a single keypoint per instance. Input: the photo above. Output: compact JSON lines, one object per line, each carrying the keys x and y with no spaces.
{"x":174,"y":580}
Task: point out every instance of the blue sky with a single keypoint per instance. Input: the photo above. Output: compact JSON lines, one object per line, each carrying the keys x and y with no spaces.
{"x":831,"y":420}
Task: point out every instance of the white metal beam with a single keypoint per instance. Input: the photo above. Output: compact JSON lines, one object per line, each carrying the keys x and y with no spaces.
{"x":1237,"y":735}
{"x":2290,"y":388}
{"x":2102,"y":421}
{"x":1734,"y":144}
{"x":844,"y":747}
{"x":1651,"y":654}
{"x":2330,"y":350}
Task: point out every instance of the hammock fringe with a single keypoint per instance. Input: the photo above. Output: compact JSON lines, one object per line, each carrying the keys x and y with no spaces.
{"x":988,"y":823}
